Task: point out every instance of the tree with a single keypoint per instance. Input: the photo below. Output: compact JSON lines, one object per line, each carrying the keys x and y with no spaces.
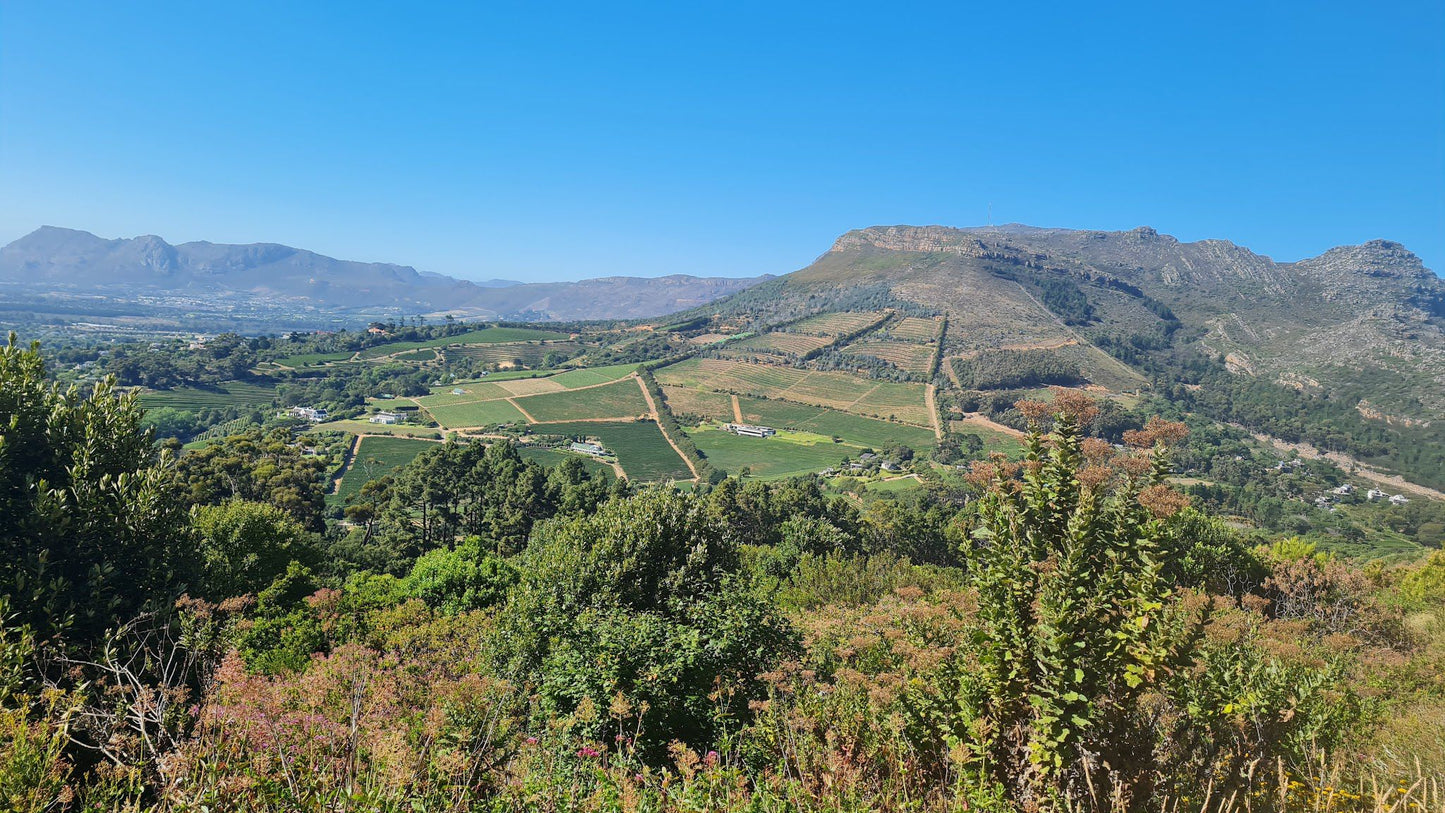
{"x":91,"y":529}
{"x":245,"y":545}
{"x":641,"y":600}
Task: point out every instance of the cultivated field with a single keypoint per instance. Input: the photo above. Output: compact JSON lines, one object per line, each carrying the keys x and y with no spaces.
{"x":684,"y":401}
{"x":621,"y":399}
{"x":909,"y":357}
{"x":790,"y":344}
{"x":477,"y":413}
{"x":190,"y":399}
{"x":851,"y":428}
{"x":914,"y":329}
{"x":552,"y":457}
{"x":835,"y":324}
{"x":639,"y":445}
{"x":362,"y":427}
{"x":378,"y":457}
{"x":841,"y":391}
{"x":313,"y":359}
{"x":784,"y":455}
{"x":526,"y":354}
{"x":488,"y":335}
{"x":586,"y":377}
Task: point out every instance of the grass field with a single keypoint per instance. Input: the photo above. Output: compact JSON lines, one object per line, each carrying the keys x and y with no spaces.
{"x":376,"y":458}
{"x":488,"y":335}
{"x":232,"y":393}
{"x":786,"y":454}
{"x":852,"y":428}
{"x":835,"y":324}
{"x":841,"y":391}
{"x":639,"y":445}
{"x":910,"y":357}
{"x":621,"y":399}
{"x":476,"y":413}
{"x":791,"y":344}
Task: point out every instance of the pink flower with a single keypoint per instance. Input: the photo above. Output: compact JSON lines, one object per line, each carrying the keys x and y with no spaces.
{"x":711,"y":757}
{"x":531,"y":740}
{"x":588,"y":752}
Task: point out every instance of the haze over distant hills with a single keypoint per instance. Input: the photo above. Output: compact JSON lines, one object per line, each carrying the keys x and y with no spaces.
{"x":54,"y":259}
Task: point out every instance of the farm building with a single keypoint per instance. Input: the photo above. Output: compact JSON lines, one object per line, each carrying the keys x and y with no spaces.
{"x":387,"y":418}
{"x":588,"y":448}
{"x":750,"y":431}
{"x":313,"y":414}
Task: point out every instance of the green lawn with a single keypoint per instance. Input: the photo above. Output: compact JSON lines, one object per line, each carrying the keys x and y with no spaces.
{"x":622,"y":399}
{"x":786,"y":454}
{"x":376,"y":458}
{"x":639,"y":445}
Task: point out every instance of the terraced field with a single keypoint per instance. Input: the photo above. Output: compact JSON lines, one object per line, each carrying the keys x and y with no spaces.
{"x":790,"y":344}
{"x":191,"y":399}
{"x":909,"y":357}
{"x":640,"y":447}
{"x":621,"y":399}
{"x":841,"y":391}
{"x":835,"y":324}
{"x":378,"y":457}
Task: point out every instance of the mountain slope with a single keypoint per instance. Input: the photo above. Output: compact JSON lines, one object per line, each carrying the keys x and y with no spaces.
{"x":1356,"y":313}
{"x":65,"y":260}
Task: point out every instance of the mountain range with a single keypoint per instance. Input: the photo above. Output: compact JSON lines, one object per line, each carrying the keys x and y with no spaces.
{"x":66,"y":260}
{"x":1368,"y":316}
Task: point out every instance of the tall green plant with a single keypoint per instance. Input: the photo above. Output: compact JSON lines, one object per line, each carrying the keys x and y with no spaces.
{"x":1073,"y":628}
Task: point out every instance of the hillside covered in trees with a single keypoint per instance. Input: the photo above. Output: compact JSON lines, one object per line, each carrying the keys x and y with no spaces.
{"x":1066,"y":630}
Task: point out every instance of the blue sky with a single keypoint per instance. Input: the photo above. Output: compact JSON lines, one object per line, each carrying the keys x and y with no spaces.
{"x":561,"y":142}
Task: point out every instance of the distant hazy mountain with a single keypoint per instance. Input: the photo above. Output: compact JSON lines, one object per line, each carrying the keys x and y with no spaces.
{"x":77,"y":262}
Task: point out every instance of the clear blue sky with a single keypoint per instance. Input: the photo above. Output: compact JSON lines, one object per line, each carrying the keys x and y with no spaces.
{"x":560,"y":142}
